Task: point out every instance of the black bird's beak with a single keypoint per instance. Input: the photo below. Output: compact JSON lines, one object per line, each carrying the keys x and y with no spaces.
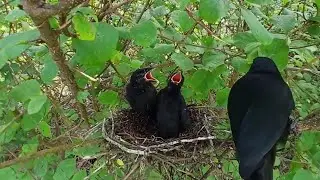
{"x":176,"y":78}
{"x":149,"y":78}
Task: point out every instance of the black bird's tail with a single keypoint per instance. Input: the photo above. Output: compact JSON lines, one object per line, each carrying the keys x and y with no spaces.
{"x":265,"y":172}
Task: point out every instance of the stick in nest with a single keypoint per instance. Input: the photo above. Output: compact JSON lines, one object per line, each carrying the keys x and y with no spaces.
{"x":164,"y":147}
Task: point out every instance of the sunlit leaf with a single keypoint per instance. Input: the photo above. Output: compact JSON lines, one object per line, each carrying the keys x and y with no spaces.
{"x":66,"y":169}
{"x":182,"y":61}
{"x":213,"y":10}
{"x":144,"y":34}
{"x":257,"y":29}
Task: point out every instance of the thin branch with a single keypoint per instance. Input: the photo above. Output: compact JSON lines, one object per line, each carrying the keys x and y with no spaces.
{"x":118,"y":73}
{"x":46,"y":152}
{"x":108,"y":10}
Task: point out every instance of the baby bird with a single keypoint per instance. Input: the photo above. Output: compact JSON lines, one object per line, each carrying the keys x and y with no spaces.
{"x":171,"y":110}
{"x":140,"y":91}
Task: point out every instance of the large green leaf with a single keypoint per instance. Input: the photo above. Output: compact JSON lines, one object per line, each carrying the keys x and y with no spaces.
{"x":50,"y":69}
{"x":303,"y":174}
{"x":45,"y":129}
{"x":8,"y":173}
{"x":26,"y":90}
{"x":278,"y":50}
{"x":144,"y":33}
{"x":8,"y":132}
{"x":11,"y":52}
{"x":85,"y":29}
{"x":40,"y":167}
{"x":157,"y":54}
{"x":15,"y":15}
{"x":36,"y":103}
{"x":109,"y":98}
{"x":183,"y":20}
{"x":30,"y":147}
{"x":257,"y":29}
{"x":285,"y":22}
{"x":246,"y":41}
{"x":17,"y":38}
{"x":222,"y":97}
{"x":213,"y":60}
{"x":240,"y":65}
{"x":213,"y":10}
{"x":182,"y":61}
{"x":65,"y":170}
{"x":100,"y":50}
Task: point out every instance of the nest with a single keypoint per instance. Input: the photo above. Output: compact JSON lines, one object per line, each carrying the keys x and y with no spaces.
{"x":134,"y":132}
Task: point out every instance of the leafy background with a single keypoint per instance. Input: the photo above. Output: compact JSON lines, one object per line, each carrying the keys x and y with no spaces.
{"x":54,"y":89}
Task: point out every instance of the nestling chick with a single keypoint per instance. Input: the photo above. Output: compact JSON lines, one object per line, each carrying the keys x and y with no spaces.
{"x":171,"y":116}
{"x":140,"y":91}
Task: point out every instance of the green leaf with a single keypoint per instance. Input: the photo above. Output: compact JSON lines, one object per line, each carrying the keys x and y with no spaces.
{"x":157,"y":54}
{"x":54,"y":23}
{"x":49,"y":71}
{"x":26,"y":90}
{"x":257,"y":29}
{"x":30,"y":147}
{"x":82,"y":95}
{"x":85,"y":29}
{"x":213,"y":10}
{"x":8,"y":132}
{"x":182,"y":61}
{"x":8,"y":173}
{"x":144,"y":33}
{"x":303,"y":174}
{"x":285,"y":22}
{"x":109,"y":98}
{"x":40,"y":167}
{"x":100,"y":50}
{"x":14,"y":15}
{"x":80,"y":175}
{"x":8,"y":53}
{"x":260,"y":2}
{"x":45,"y":129}
{"x":65,"y":170}
{"x":240,"y":65}
{"x":246,"y":41}
{"x":213,"y":60}
{"x":183,"y":20}
{"x":278,"y":50}
{"x":86,"y":151}
{"x":30,"y":121}
{"x":36,"y":103}
{"x":222,"y":97}
{"x":17,"y":38}
{"x":314,"y":30}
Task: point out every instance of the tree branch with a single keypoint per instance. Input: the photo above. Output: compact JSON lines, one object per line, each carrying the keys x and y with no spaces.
{"x":39,"y":13}
{"x":46,"y":152}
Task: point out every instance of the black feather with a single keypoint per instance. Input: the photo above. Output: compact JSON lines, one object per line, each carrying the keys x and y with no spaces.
{"x":171,"y":117}
{"x":259,"y":106}
{"x":140,"y":93}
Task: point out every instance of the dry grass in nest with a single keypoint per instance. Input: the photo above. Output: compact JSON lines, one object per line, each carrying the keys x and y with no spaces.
{"x":134,"y":133}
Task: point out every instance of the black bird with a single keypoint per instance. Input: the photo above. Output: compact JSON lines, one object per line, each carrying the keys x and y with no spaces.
{"x":171,"y":117}
{"x":140,"y":91}
{"x":259,"y":106}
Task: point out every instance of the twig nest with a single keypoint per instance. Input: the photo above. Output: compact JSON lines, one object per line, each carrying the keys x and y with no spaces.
{"x":134,"y":132}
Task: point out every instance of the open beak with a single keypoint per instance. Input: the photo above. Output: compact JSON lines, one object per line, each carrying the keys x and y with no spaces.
{"x":176,"y":78}
{"x":149,"y":77}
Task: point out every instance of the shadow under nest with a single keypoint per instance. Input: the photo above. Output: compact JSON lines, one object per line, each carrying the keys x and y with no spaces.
{"x":133,"y":132}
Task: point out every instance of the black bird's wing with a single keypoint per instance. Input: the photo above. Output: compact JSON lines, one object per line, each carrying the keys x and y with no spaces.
{"x":184,"y":119}
{"x":264,"y":123}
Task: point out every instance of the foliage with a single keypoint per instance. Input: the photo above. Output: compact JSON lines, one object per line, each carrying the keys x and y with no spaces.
{"x":212,"y":41}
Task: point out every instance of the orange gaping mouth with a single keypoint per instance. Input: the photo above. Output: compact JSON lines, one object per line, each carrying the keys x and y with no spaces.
{"x":176,"y":78}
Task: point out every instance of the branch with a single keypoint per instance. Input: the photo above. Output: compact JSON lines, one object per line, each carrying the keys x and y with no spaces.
{"x":43,"y":11}
{"x":46,"y":152}
{"x":50,"y":37}
{"x":107,"y":10}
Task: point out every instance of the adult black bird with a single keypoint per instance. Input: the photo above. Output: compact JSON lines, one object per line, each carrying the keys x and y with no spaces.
{"x":171,"y":117}
{"x":140,"y":91}
{"x":259,"y":106}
